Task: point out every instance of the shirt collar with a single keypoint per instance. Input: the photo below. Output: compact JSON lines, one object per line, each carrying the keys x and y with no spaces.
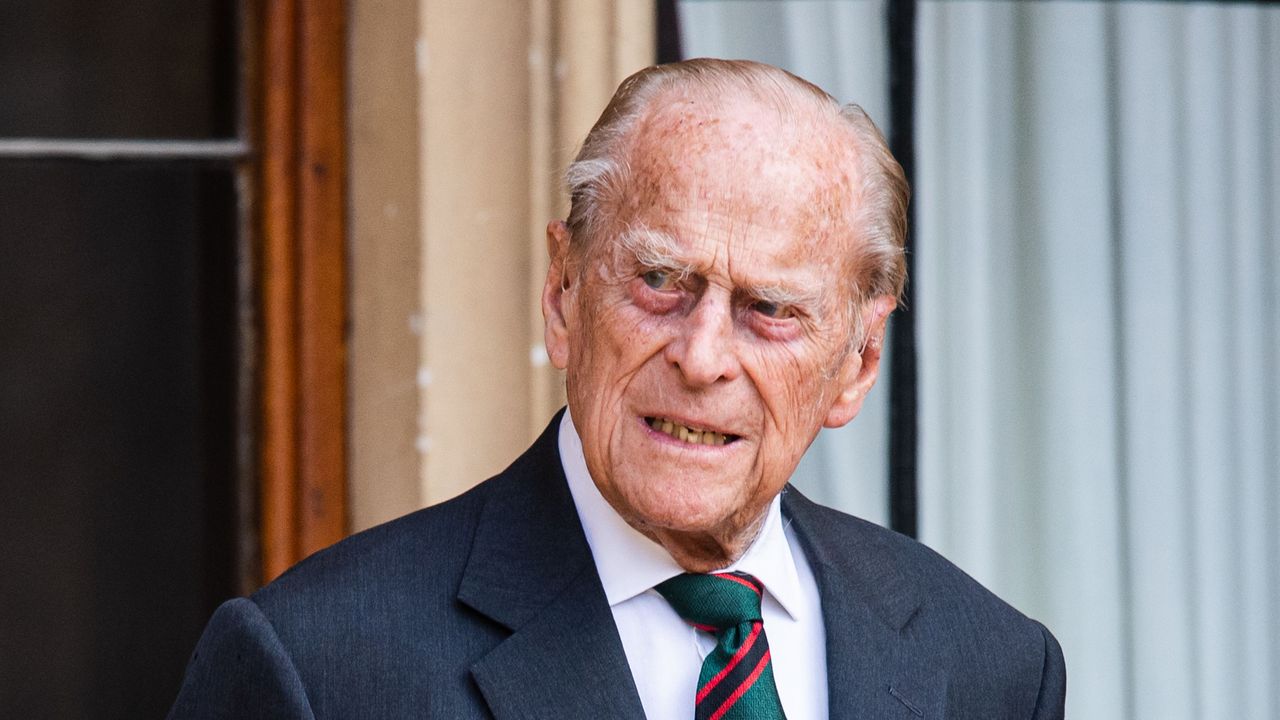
{"x":630,"y":563}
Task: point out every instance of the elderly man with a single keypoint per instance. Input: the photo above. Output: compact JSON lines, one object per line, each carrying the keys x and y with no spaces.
{"x":717,"y":295}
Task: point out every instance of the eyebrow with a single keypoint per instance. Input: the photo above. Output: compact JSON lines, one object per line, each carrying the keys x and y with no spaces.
{"x":657,"y":249}
{"x":786,"y":295}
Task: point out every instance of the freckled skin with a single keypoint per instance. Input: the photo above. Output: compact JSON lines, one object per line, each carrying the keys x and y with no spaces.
{"x":752,"y":199}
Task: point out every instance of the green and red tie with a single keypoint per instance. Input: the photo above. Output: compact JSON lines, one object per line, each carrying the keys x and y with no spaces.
{"x":736,"y":682}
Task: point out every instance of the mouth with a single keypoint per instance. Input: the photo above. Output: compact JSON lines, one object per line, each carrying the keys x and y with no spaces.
{"x":688,"y":434}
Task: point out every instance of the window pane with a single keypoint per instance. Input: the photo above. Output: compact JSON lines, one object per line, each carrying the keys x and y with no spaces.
{"x":136,"y":69}
{"x":116,"y":314}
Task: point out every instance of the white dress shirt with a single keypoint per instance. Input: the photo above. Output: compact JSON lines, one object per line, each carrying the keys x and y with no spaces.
{"x":665,"y":653}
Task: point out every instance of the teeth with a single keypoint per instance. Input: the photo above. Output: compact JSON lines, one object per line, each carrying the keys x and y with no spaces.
{"x":686,"y":434}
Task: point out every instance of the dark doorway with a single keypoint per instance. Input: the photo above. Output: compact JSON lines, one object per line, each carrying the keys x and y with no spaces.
{"x":121,"y":198}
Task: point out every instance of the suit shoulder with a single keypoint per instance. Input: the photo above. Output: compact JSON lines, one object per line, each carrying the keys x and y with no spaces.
{"x":240,"y":670}
{"x":999,"y":662}
{"x":938,"y":582}
{"x":935,"y":603}
{"x":431,"y":542}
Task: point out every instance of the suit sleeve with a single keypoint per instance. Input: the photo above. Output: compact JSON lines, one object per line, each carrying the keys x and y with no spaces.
{"x":240,"y":670}
{"x":1051,"y":702}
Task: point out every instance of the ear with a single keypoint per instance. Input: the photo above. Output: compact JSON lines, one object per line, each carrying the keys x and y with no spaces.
{"x":860,"y":369}
{"x":557,"y":285}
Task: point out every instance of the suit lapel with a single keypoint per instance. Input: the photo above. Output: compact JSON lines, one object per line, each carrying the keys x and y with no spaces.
{"x":531,"y":571}
{"x":566,"y":662}
{"x":873,"y":671}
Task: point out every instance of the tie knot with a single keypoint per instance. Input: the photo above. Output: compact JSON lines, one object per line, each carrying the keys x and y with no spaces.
{"x":714,"y":602}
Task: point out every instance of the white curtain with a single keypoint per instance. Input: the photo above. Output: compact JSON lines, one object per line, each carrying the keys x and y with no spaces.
{"x":1098,"y":215}
{"x":1099,"y":236}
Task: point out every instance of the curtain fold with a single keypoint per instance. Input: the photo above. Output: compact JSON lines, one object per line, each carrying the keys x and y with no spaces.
{"x":1098,"y":312}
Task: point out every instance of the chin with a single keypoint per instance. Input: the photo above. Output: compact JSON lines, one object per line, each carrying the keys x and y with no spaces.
{"x":683,"y":510}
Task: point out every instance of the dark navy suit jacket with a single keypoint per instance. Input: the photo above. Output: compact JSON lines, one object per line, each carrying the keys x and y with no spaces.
{"x":489,"y":606}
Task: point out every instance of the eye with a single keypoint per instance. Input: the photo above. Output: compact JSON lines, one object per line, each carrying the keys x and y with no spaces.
{"x":657,"y":279}
{"x":772,"y":310}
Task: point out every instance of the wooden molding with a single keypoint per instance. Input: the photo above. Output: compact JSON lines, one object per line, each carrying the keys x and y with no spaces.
{"x":303,"y":455}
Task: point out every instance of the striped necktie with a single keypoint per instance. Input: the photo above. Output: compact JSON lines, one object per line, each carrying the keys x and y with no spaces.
{"x":736,"y":682}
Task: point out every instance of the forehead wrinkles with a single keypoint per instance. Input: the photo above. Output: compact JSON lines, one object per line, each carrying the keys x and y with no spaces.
{"x":745,"y":160}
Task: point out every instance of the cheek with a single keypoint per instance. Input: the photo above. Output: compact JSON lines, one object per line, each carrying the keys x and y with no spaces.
{"x":611,"y":342}
{"x":595,"y":325}
{"x":630,"y":326}
{"x":794,"y":387}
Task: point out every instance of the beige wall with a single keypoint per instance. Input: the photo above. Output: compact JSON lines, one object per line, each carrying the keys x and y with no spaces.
{"x":463,"y":114}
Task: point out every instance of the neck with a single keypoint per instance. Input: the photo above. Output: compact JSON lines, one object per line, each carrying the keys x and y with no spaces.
{"x":704,"y":552}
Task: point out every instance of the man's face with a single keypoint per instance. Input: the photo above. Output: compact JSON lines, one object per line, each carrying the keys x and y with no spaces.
{"x":707,"y":338}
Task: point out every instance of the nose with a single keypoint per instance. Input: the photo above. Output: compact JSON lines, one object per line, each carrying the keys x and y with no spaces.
{"x":704,"y":352}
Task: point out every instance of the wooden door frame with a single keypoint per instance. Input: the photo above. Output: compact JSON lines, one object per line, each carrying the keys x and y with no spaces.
{"x":301,"y":217}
